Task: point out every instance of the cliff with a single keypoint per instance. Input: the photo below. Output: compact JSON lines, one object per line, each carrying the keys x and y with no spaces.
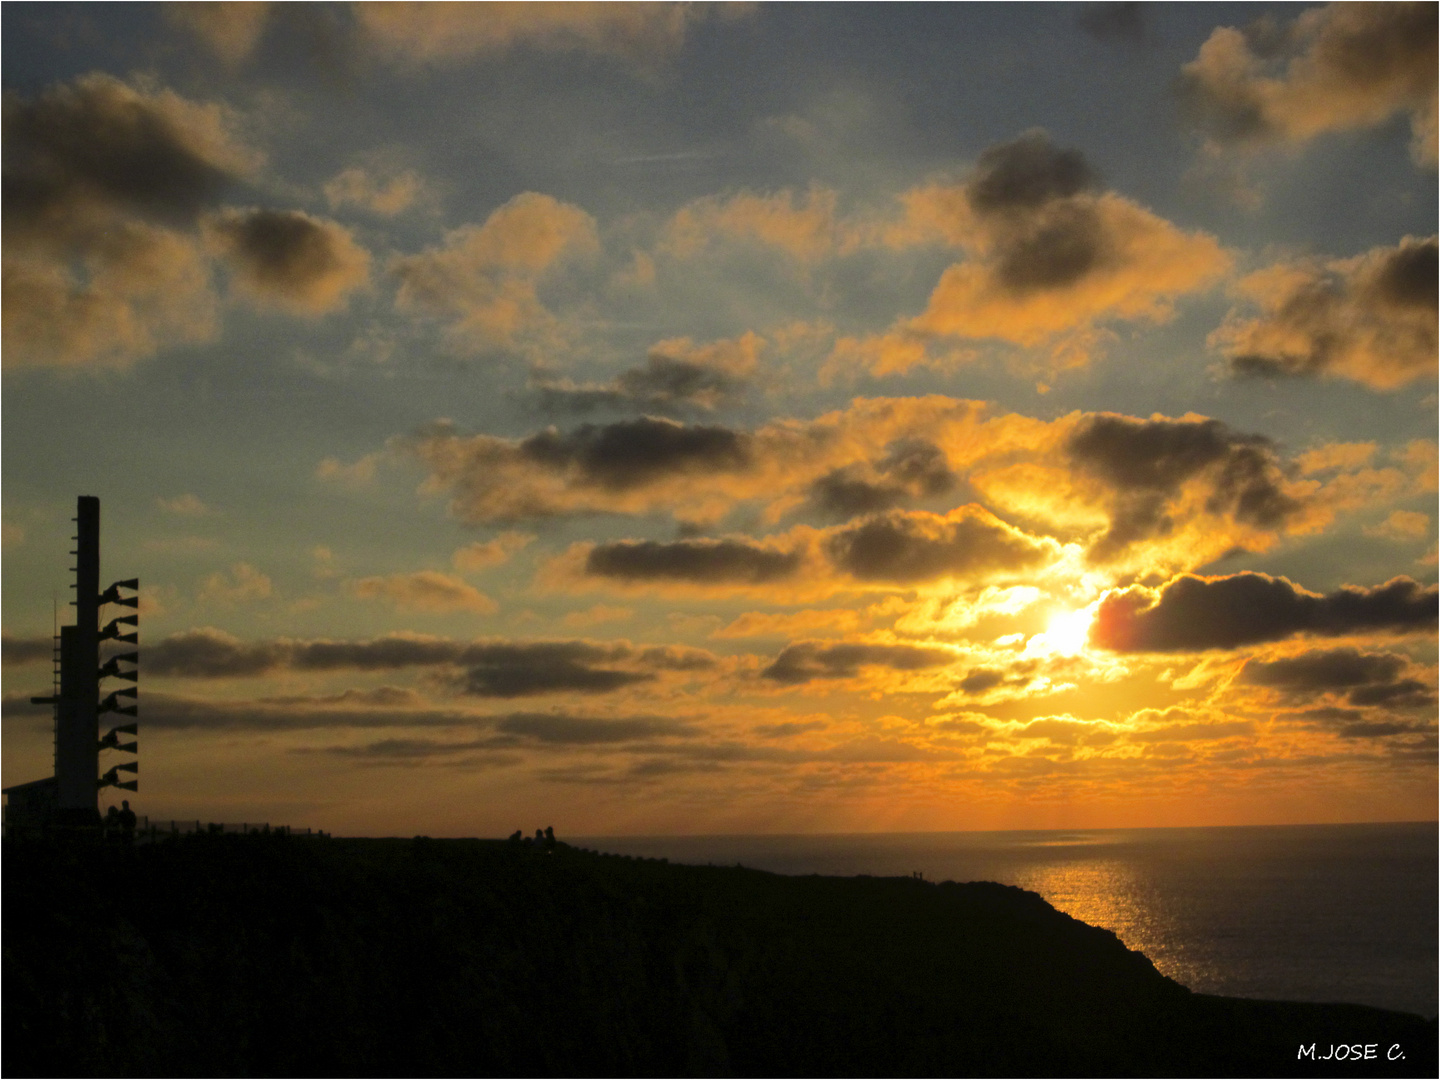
{"x":253,"y":955}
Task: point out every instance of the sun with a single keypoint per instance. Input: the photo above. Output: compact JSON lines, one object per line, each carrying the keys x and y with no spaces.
{"x":1066,"y":634}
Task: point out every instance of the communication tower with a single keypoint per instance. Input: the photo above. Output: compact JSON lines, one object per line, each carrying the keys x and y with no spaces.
{"x":71,"y":795}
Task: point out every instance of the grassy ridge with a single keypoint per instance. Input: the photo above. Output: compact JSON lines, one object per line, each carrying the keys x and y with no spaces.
{"x":232,"y":955}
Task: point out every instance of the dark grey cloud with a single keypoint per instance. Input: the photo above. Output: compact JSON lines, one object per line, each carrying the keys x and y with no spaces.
{"x":15,"y":651}
{"x":921,"y":466}
{"x":1064,"y":245}
{"x":1146,"y":462}
{"x":978,"y":680}
{"x":675,"y":658}
{"x":663,"y":382}
{"x":788,"y":729}
{"x":845,"y":493}
{"x":632,"y":453}
{"x":910,"y":469}
{"x":99,"y":142}
{"x":1046,"y":228}
{"x":1365,"y":678}
{"x":560,"y":729}
{"x":500,"y":669}
{"x":527,"y":670}
{"x":1195,"y":614}
{"x":1356,"y":724}
{"x":212,"y":654}
{"x":1122,"y":22}
{"x":416,"y":751}
{"x":290,"y":258}
{"x":910,"y":547}
{"x":808,"y":660}
{"x":1026,"y":173}
{"x":177,"y":712}
{"x":699,"y":561}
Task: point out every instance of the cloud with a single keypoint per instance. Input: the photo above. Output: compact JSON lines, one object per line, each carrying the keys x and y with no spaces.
{"x":101,"y":179}
{"x":144,"y":288}
{"x":906,"y":548}
{"x":385,"y":707}
{"x":432,"y":34}
{"x":483,"y":668}
{"x":78,"y":152}
{"x":425,"y":590}
{"x":478,"y":556}
{"x":590,"y":468}
{"x":230,"y":30}
{"x":599,"y":613}
{"x":1402,"y":525}
{"x":1146,"y":463}
{"x":288,"y":259}
{"x":356,"y":475}
{"x":909,"y":469}
{"x":1332,"y":68}
{"x":1364,"y":678}
{"x":17,"y":651}
{"x":807,"y":231}
{"x":806,"y":661}
{"x":653,"y":464}
{"x":208,"y":653}
{"x":1051,"y":261}
{"x":1370,"y":319}
{"x":484,"y":279}
{"x":511,"y":670}
{"x":357,"y":186}
{"x":1192,"y":613}
{"x":243,"y":583}
{"x":562,"y":729}
{"x":788,"y":624}
{"x":186,"y":505}
{"x":1026,"y":174}
{"x":676,"y":372}
{"x":704,"y":562}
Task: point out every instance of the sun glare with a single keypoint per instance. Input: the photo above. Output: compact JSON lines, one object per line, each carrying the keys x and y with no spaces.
{"x":1066,"y":634}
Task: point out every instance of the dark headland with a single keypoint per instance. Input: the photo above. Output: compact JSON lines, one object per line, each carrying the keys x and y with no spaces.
{"x":280,"y":956}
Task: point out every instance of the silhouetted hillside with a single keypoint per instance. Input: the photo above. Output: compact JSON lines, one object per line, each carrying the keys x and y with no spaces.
{"x":239,"y":956}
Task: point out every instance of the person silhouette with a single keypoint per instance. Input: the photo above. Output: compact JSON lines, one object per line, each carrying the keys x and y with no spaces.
{"x":126,"y":819}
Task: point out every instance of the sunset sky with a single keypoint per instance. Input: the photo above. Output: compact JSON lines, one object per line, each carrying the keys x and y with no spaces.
{"x":733,"y":418}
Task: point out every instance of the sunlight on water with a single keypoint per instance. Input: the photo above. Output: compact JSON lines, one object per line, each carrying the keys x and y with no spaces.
{"x":1303,"y":913}
{"x":1116,"y":895}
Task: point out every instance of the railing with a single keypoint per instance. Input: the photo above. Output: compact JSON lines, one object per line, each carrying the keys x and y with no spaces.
{"x":149,"y":830}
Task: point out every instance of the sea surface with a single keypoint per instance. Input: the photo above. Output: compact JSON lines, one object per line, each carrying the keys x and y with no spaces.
{"x":1298,"y":913}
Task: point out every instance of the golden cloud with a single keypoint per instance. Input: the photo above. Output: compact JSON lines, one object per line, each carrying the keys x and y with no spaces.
{"x":425,"y":590}
{"x":807,"y":230}
{"x":387,"y":195}
{"x":1370,"y":319}
{"x":1333,"y":68}
{"x":484,"y":279}
{"x":1050,"y":262}
{"x":230,"y":30}
{"x":146,"y":288}
{"x":434,"y":33}
{"x":243,"y":583}
{"x":478,"y":556}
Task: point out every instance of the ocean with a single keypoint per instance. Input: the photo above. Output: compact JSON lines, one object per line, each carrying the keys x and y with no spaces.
{"x":1299,"y":913}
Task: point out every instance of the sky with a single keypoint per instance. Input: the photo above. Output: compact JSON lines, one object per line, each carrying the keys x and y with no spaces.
{"x":733,"y":418}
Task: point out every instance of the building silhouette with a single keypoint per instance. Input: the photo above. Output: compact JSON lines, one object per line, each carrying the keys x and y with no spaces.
{"x":70,"y":797}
